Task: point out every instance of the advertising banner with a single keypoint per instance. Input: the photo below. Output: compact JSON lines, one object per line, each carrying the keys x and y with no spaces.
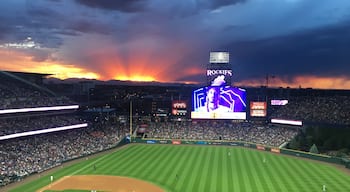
{"x":151,"y":142}
{"x":176,"y":142}
{"x":275,"y":150}
{"x":201,"y":142}
{"x":260,"y":147}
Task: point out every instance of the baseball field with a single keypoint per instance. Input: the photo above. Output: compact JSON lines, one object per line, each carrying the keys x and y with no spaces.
{"x":142,"y":167}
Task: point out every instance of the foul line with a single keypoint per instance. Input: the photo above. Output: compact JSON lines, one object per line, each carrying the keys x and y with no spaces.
{"x":68,"y":176}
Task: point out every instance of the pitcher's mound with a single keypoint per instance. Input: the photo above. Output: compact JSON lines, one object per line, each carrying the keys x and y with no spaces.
{"x":101,"y":183}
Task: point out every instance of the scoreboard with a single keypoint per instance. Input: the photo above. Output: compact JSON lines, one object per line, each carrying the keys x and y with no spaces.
{"x":258,"y":109}
{"x":219,"y":57}
{"x":179,"y":108}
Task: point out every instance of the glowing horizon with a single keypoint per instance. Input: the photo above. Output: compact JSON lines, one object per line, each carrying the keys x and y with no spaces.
{"x":139,"y":68}
{"x":302,"y":81}
{"x":138,"y":78}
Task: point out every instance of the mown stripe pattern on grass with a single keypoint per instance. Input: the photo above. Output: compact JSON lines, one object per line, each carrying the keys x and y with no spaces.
{"x":208,"y":168}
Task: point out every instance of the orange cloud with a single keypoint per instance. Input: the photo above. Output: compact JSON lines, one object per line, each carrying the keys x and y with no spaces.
{"x":18,"y":61}
{"x":64,"y":71}
{"x":316,"y":82}
{"x":134,"y":61}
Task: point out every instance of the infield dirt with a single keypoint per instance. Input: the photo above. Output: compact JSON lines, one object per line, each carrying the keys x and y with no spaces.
{"x":101,"y":183}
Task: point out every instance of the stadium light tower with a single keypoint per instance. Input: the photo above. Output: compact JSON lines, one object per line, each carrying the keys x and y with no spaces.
{"x":130,"y":98}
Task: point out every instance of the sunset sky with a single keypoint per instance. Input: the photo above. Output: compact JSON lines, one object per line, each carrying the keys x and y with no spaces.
{"x":300,"y":42}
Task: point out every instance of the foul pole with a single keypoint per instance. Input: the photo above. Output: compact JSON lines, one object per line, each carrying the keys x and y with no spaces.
{"x":130,"y":119}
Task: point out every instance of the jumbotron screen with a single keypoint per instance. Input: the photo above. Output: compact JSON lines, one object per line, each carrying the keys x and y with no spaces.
{"x":258,"y":109}
{"x":219,"y":102}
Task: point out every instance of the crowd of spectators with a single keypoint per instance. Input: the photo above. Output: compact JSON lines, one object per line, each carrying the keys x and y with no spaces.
{"x":21,"y":124}
{"x":23,"y":156}
{"x":213,"y":130}
{"x":330,"y":110}
{"x":16,"y":95}
{"x":39,"y":101}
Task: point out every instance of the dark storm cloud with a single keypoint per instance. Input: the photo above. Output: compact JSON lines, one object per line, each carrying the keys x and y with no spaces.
{"x":187,"y":9}
{"x":215,"y":4}
{"x":45,"y":12}
{"x":66,"y":32}
{"x":69,"y":22}
{"x":4,"y":30}
{"x":87,"y":26}
{"x":31,"y":20}
{"x":46,"y":21}
{"x":11,"y":28}
{"x":118,"y":5}
{"x":322,"y":52}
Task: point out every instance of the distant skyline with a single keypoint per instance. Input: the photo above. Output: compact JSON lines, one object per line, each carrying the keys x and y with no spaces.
{"x":295,"y":42}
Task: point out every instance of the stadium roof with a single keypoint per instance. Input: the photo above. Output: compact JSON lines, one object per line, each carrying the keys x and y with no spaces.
{"x":27,"y":73}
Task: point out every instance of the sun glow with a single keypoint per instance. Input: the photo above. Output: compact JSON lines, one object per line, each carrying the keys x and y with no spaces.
{"x":139,"y":78}
{"x":65,"y":71}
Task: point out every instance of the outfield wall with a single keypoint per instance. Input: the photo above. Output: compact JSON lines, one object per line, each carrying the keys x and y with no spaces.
{"x":318,"y":157}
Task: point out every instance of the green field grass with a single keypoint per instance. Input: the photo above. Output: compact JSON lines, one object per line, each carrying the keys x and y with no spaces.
{"x":208,"y":168}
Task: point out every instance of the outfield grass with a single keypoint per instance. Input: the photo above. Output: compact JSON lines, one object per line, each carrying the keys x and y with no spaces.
{"x":208,"y":168}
